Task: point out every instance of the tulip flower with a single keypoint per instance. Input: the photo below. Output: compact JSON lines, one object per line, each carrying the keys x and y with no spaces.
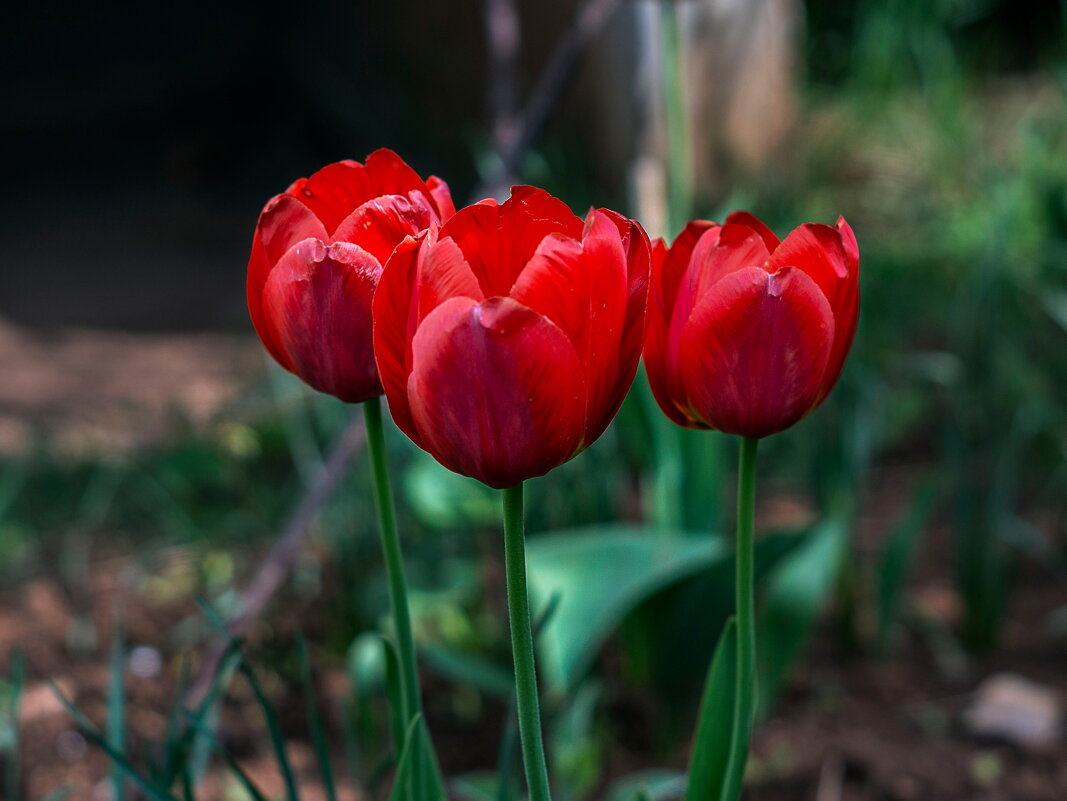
{"x":506,"y":340}
{"x":747,"y":334}
{"x":507,"y":337}
{"x":316,"y":257}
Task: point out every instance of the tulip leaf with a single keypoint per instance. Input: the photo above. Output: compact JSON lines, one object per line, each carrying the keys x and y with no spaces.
{"x":659,"y":784}
{"x":600,"y":574}
{"x":710,"y":760}
{"x":405,"y":768}
{"x":795,"y":593}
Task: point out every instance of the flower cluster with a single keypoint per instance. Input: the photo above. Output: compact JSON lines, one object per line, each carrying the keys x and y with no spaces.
{"x":505,"y":336}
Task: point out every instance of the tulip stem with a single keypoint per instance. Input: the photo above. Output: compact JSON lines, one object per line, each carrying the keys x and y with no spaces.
{"x":522,"y":647}
{"x":745,"y":694}
{"x":411,"y":704}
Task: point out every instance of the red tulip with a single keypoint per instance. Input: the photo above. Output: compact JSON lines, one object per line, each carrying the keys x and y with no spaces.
{"x":316,"y":258}
{"x":747,"y":334}
{"x":507,"y":338}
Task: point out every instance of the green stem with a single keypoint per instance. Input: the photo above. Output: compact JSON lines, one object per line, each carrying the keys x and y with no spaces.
{"x":745,"y":695}
{"x":394,"y":562}
{"x":522,"y":648}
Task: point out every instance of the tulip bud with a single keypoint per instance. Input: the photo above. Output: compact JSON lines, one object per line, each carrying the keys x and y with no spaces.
{"x":507,"y":338}
{"x":317,"y":254}
{"x":747,"y":334}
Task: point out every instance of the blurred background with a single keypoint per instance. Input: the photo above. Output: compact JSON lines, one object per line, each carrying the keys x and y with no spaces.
{"x":913,"y":552}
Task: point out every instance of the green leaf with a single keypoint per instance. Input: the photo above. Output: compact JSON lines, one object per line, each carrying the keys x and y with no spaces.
{"x":406,"y":766}
{"x":895,"y":562}
{"x":97,"y":739}
{"x":318,"y":732}
{"x":393,"y":694}
{"x":242,"y":777}
{"x":600,"y":574}
{"x":116,"y":708}
{"x":795,"y":593}
{"x":711,"y":746}
{"x":659,"y":784}
{"x":470,"y":669}
{"x":11,"y":745}
{"x":275,"y":730}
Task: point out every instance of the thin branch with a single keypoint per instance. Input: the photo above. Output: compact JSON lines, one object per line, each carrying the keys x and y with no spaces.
{"x":283,"y":554}
{"x":589,"y":22}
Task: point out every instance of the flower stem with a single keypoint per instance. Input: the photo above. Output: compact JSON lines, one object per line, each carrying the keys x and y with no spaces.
{"x":745,"y":695}
{"x":394,"y":564}
{"x":529,"y":712}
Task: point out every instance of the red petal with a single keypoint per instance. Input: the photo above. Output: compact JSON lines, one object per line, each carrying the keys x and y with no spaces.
{"x":283,"y":222}
{"x":317,"y":304}
{"x":498,"y":240}
{"x":830,"y":256}
{"x":753,"y":222}
{"x":755,"y":351}
{"x":442,"y":197}
{"x":336,"y":190}
{"x":719,"y":252}
{"x":655,"y":353}
{"x":420,"y":275}
{"x":638,"y":267}
{"x":495,"y":390}
{"x":582,"y":288}
{"x":379,"y":225}
{"x":676,"y":262}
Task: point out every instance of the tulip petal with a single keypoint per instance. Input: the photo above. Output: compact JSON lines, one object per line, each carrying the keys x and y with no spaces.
{"x":830,"y":256}
{"x":582,"y":288}
{"x":755,"y":351}
{"x":770,"y":239}
{"x":675,"y":262}
{"x":442,"y":197}
{"x":420,"y":275}
{"x":638,"y":269}
{"x":316,"y":303}
{"x":379,"y":225}
{"x":720,"y":251}
{"x":496,"y":390}
{"x":335,"y":190}
{"x":498,"y":240}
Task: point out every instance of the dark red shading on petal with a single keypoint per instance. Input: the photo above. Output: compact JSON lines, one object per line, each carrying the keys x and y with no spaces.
{"x":421,"y":274}
{"x":756,"y":349}
{"x":498,"y":240}
{"x":639,"y":268}
{"x":495,"y":390}
{"x":316,"y":303}
{"x":753,"y":222}
{"x":379,"y":225}
{"x":654,"y":350}
{"x":582,"y":288}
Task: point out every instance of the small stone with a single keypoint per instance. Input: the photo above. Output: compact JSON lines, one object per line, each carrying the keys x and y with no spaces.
{"x":1013,"y":709}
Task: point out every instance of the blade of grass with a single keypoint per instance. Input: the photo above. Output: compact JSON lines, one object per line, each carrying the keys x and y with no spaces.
{"x":231,"y":763}
{"x":96,"y":738}
{"x":14,"y":755}
{"x":895,"y":562}
{"x":116,"y":706}
{"x":318,"y":734}
{"x":275,"y":731}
